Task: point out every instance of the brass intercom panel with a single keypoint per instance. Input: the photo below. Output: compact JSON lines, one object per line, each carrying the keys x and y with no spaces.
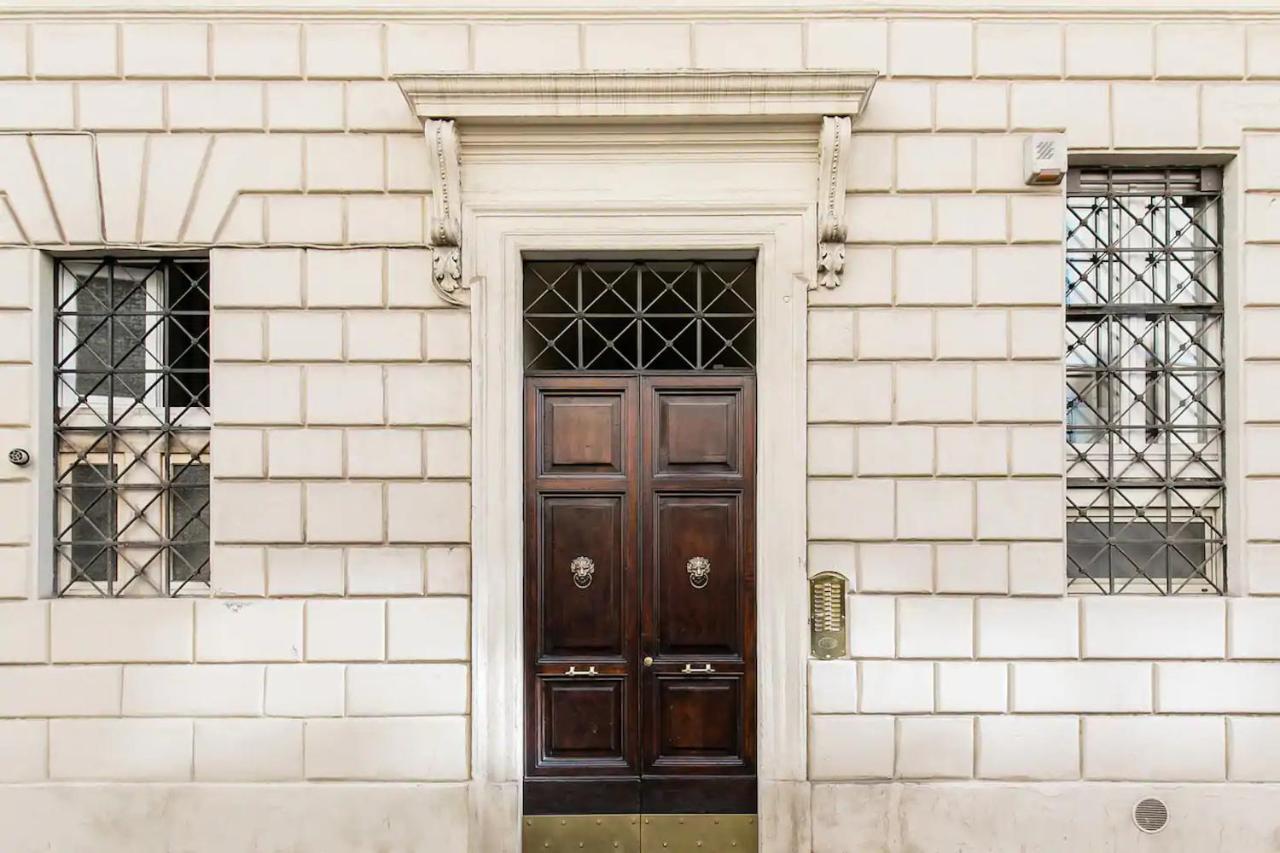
{"x":828,"y":622}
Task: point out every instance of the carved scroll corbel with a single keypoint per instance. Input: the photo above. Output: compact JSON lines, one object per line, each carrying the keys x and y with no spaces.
{"x":833,"y":171}
{"x":446,"y":213}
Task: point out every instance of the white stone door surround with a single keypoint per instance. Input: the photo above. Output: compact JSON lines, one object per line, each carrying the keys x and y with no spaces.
{"x":640,"y":163}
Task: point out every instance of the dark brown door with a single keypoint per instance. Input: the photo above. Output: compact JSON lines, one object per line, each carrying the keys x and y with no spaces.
{"x":640,"y":594}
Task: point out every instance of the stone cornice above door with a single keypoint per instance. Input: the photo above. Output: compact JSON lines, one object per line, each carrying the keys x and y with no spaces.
{"x":639,"y":94}
{"x":831,"y":99}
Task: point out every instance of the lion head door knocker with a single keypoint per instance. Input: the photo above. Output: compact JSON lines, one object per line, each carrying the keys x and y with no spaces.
{"x":583,"y":569}
{"x":699,"y":569}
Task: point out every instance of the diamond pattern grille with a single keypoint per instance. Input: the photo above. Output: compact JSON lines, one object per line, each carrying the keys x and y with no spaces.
{"x":582,"y":315}
{"x":1145,"y":381}
{"x":131,"y":426}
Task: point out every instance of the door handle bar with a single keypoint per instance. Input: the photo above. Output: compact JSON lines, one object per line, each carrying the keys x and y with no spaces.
{"x":574,"y":671}
{"x":690,"y":669}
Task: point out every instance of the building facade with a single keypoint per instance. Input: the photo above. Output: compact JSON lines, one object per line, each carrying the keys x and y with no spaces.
{"x":420,"y":420}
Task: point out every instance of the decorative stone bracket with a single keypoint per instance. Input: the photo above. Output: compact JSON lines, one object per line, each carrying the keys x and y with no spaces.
{"x":445,"y":227}
{"x":833,"y":177}
{"x":835,"y":97}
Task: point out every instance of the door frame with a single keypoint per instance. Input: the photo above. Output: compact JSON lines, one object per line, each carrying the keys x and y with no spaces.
{"x":783,"y":236}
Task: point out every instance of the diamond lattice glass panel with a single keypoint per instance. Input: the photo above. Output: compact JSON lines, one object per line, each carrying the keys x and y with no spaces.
{"x":1166,"y":540}
{"x":1145,"y":377}
{"x":639,"y":315}
{"x":131,"y":426}
{"x":93,"y":506}
{"x":189,"y":523}
{"x":109,"y":312}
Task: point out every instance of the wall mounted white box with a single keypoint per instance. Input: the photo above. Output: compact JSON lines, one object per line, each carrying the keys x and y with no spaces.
{"x":1044,"y":159}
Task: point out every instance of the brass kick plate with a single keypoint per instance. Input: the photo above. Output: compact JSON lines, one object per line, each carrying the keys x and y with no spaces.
{"x":605,"y":833}
{"x":698,"y":833}
{"x":668,"y":833}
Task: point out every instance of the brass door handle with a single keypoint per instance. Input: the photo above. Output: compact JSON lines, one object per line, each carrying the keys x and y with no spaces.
{"x":648,"y":661}
{"x":574,"y":671}
{"x":690,"y":669}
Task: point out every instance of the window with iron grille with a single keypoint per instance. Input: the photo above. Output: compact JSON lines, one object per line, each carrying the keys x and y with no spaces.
{"x":1145,"y":376}
{"x":131,"y":426}
{"x":640,"y":315}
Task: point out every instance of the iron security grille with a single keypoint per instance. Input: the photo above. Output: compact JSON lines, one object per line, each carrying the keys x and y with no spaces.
{"x":131,"y":426}
{"x":1145,"y":376}
{"x":639,"y":315}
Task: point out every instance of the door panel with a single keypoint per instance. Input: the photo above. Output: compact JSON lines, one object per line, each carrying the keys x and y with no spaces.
{"x":698,"y":718}
{"x":584,"y":722}
{"x":698,"y":578}
{"x":581,"y":608}
{"x":584,"y":434}
{"x":698,"y":433}
{"x":583,"y":602}
{"x":697,"y":575}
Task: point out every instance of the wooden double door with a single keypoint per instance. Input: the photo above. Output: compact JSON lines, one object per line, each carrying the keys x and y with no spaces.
{"x":640,"y":594}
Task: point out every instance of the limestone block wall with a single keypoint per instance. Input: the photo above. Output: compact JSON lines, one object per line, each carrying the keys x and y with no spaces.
{"x":936,"y":438}
{"x":935,"y":407}
{"x":333,"y":647}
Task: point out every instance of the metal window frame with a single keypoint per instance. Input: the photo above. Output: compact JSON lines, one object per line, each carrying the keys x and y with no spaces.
{"x":142,"y":439}
{"x":1156,"y":477}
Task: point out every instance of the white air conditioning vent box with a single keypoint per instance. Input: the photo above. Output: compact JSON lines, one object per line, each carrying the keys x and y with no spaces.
{"x":1044,"y":158}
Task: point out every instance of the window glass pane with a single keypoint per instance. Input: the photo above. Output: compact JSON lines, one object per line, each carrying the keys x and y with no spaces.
{"x":189,"y":524}
{"x":92,"y":531}
{"x":109,"y":315}
{"x":1135,"y":549}
{"x":187,"y":336}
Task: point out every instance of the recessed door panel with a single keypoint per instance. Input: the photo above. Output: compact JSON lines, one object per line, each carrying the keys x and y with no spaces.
{"x":581,"y":568}
{"x":699,"y":723}
{"x":697,"y":574}
{"x":584,"y":434}
{"x":583,"y":722}
{"x":698,"y":433}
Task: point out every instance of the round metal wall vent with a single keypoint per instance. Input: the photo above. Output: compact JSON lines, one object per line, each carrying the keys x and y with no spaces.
{"x":1151,"y":815}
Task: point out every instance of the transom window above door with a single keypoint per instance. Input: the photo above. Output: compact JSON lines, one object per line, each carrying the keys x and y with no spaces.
{"x":640,"y":315}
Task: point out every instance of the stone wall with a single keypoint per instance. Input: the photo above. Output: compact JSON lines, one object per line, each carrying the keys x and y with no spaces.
{"x":335,"y":645}
{"x":936,"y":448}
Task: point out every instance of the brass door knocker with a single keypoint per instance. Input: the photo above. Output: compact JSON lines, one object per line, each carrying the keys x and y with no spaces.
{"x":699,"y":569}
{"x":583,"y":568}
